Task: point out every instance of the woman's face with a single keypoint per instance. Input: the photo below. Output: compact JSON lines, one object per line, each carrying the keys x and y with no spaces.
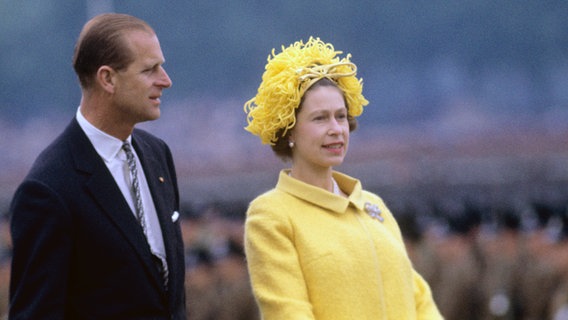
{"x":321,"y":133}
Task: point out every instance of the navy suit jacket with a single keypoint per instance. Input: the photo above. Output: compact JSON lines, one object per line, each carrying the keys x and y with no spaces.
{"x":78,"y":250}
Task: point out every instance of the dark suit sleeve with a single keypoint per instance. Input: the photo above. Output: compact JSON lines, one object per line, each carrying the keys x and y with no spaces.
{"x":41,"y":232}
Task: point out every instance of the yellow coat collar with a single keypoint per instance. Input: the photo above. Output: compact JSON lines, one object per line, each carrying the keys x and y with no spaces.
{"x":321,"y":197}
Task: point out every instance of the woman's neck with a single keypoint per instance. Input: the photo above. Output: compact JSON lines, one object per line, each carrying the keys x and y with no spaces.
{"x":321,"y":179}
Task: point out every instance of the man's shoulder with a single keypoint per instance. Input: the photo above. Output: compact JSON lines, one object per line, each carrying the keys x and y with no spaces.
{"x":57,"y":157}
{"x":55,"y":150}
{"x":143,"y":136}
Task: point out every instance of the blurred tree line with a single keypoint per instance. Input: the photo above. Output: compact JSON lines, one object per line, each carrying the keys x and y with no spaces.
{"x":416,"y":57}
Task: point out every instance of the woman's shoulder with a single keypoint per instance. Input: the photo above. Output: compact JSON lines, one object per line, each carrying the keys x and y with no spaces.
{"x":371,"y":196}
{"x":271,"y":198}
{"x":272,"y":207}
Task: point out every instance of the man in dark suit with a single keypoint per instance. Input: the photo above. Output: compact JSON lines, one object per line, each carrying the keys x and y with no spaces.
{"x":95,"y":222}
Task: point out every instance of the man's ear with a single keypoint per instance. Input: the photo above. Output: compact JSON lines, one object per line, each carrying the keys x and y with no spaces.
{"x":106,"y":78}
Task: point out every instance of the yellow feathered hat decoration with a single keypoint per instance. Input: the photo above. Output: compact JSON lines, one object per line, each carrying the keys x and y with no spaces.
{"x":286,"y":78}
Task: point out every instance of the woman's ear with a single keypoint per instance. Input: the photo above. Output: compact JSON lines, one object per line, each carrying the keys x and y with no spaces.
{"x":290,"y":137}
{"x":291,"y":142}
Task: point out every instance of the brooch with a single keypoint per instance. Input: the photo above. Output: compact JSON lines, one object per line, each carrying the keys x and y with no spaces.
{"x":374,"y":211}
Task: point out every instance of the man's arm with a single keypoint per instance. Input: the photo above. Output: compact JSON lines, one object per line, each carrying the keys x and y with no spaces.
{"x":40,"y":228}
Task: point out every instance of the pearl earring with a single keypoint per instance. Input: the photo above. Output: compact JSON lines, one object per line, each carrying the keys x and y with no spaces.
{"x":291,"y":144}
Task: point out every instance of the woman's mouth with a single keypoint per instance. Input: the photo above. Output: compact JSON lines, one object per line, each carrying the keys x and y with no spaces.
{"x":334,"y":147}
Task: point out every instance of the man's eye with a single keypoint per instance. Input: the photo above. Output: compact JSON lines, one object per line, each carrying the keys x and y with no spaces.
{"x":150,"y":70}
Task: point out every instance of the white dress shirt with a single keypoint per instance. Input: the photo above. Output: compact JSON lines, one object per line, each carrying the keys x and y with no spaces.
{"x":110,"y":150}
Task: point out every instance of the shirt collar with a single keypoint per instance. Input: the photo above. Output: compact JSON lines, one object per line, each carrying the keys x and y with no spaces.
{"x":106,"y":145}
{"x":321,"y":197}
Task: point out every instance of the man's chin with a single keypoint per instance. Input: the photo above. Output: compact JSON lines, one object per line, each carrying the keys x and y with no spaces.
{"x":154,"y":115}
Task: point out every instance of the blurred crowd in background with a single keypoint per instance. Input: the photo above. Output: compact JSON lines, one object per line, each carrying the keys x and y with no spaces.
{"x":481,"y":261}
{"x":492,"y":262}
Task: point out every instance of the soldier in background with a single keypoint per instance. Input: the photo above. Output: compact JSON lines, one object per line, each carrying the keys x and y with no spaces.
{"x":457,"y":293}
{"x":235,"y":298}
{"x":558,"y":308}
{"x":502,"y":251}
{"x":201,"y":288}
{"x":420,"y":238}
{"x":539,"y":278}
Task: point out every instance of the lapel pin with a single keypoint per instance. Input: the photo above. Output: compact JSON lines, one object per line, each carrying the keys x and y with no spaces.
{"x":161,"y":179}
{"x":374,"y":211}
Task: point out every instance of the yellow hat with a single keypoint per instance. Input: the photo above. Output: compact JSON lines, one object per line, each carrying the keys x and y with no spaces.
{"x":286,"y":78}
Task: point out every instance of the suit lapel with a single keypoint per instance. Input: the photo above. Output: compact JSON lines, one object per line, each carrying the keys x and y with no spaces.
{"x":106,"y":193}
{"x":157,"y":177}
{"x":163,"y":186}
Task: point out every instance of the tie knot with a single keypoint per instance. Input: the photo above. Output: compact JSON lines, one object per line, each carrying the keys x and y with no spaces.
{"x":127,"y":147}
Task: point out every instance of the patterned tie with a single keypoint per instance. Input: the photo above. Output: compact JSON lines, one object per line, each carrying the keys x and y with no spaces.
{"x":138,"y":204}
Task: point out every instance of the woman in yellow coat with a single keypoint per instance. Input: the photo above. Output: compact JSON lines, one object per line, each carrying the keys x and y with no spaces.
{"x":318,"y":246}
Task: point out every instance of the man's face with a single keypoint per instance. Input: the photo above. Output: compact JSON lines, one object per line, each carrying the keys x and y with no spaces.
{"x":139,"y":87}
